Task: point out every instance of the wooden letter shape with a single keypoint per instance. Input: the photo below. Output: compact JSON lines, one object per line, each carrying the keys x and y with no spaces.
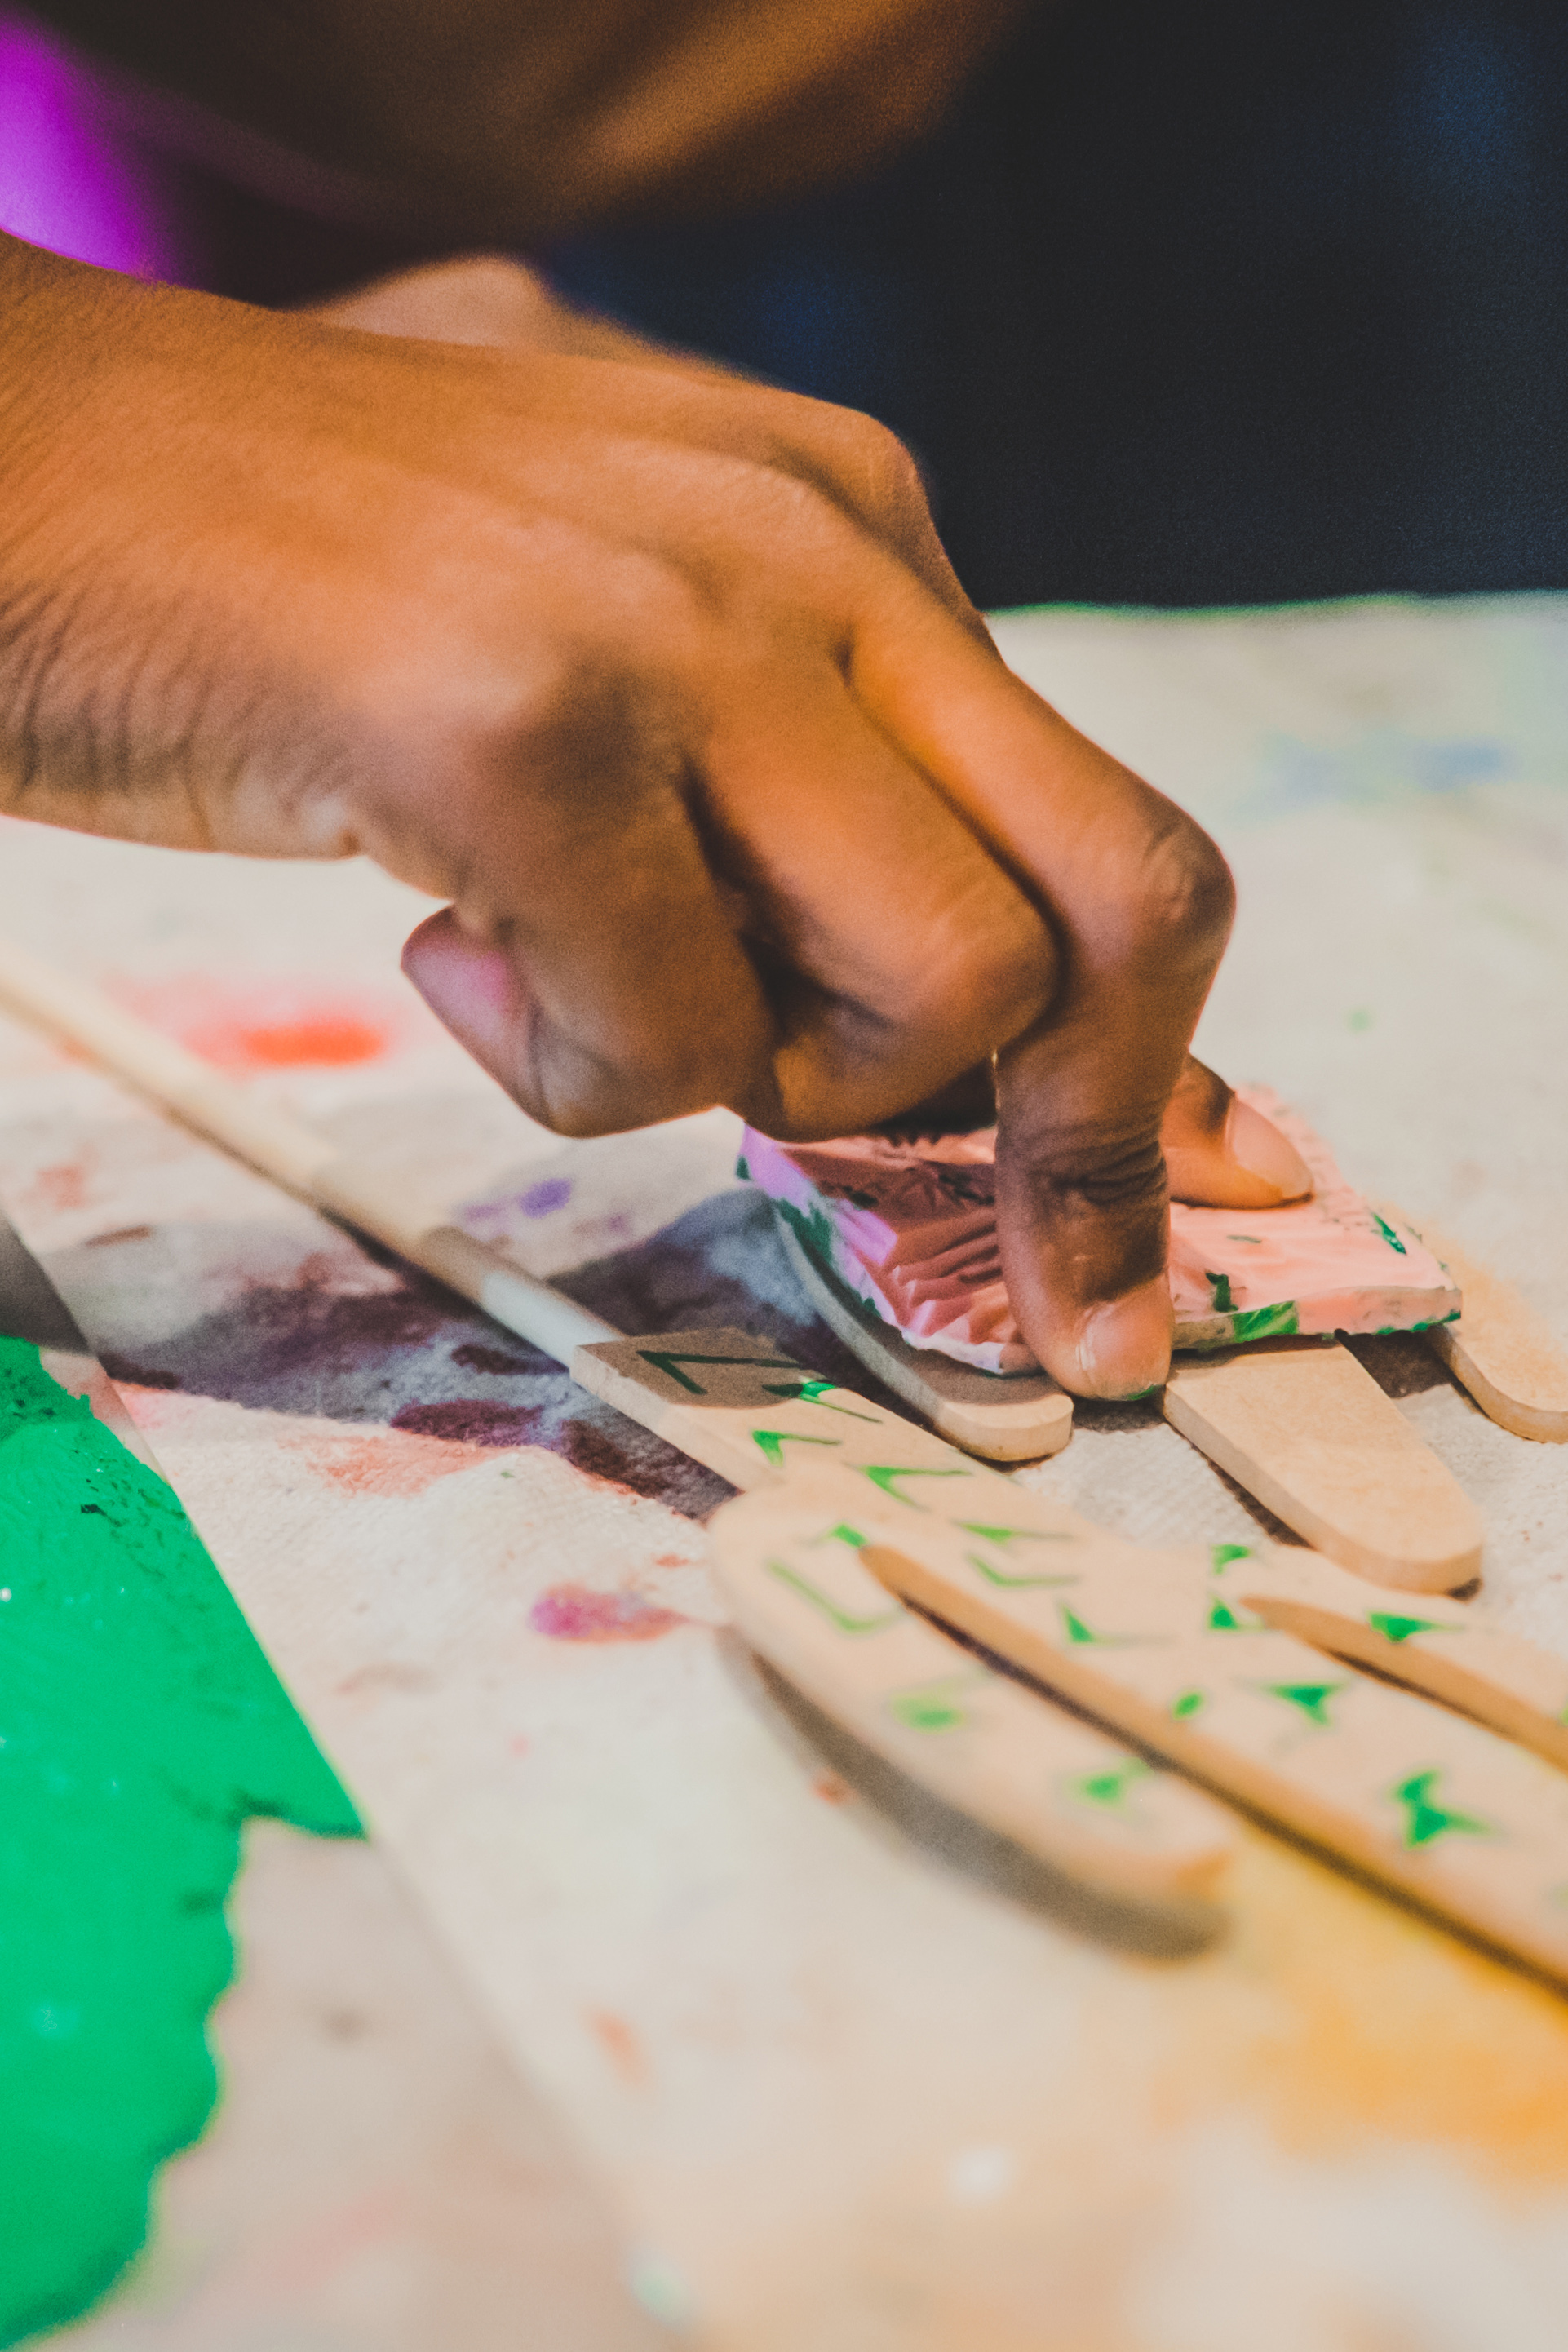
{"x":745,"y":1409}
{"x":788,"y":1566}
{"x":1472,"y":1828}
{"x":1300,"y":1425}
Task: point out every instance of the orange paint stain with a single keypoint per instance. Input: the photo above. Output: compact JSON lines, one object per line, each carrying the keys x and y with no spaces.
{"x":267,"y":1025}
{"x":383,"y":1461}
{"x":1346,"y":2020}
{"x":620,"y":2045}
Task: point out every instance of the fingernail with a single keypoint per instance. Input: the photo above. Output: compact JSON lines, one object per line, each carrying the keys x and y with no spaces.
{"x":1124,"y":1347}
{"x":1257,"y":1145}
{"x":469,"y":987}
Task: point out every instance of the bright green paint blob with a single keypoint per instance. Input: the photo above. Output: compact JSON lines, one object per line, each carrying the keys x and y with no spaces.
{"x":1278,"y":1322}
{"x":848,"y":1535}
{"x":933,"y":1707}
{"x":1220,"y":1283}
{"x":773,"y":1440}
{"x":1400,"y":1629}
{"x":1223,"y":1619}
{"x":844,"y":1619}
{"x":1427,"y":1820}
{"x":1222,"y":1555}
{"x":1013,"y":1535}
{"x":1389,"y":1235}
{"x":140,"y":1726}
{"x":814,"y":1392}
{"x":1187,"y":1704}
{"x":885,"y":1476}
{"x":1074,"y":1627}
{"x":1111,"y":1786}
{"x":1312,"y":1698}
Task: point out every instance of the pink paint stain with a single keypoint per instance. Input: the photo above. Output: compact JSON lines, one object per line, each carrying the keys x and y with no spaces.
{"x":267,"y":1025}
{"x":575,"y":1612}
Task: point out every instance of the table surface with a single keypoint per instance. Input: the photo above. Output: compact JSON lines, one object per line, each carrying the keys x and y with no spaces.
{"x":828,"y":2078}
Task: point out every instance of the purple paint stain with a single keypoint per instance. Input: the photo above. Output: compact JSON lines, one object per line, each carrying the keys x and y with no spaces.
{"x":575,"y":1612}
{"x":539,"y":1200}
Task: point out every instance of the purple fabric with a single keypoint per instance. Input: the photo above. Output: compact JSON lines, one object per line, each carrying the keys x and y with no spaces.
{"x":70,"y":179}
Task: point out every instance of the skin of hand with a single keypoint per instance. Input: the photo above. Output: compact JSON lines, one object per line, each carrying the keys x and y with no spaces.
{"x":663,"y":681}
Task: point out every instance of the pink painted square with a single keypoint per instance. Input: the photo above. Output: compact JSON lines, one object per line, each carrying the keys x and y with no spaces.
{"x":911,"y":1229}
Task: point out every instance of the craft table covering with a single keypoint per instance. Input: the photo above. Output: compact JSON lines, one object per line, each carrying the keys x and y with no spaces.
{"x":851,"y":2083}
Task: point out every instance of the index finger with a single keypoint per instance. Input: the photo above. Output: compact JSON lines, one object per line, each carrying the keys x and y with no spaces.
{"x":1138,"y":901}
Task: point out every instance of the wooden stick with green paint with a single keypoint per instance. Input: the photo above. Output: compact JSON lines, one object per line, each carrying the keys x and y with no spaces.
{"x":1437,"y":1806}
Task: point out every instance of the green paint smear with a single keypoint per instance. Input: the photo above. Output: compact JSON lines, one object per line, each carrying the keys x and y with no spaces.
{"x":1265,"y":1322}
{"x":139,"y":1727}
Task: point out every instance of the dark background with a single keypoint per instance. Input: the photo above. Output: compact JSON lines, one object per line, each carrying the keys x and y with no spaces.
{"x":1187,"y":304}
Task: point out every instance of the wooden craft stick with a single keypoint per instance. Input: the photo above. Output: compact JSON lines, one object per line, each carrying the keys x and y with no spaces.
{"x":1300,"y":1424}
{"x":745,"y":1408}
{"x":1057,"y":1786}
{"x":1439,"y":1808}
{"x":1017,"y":1418}
{"x":1501,"y":1350}
{"x":292,"y":1153}
{"x":1438,"y":1647}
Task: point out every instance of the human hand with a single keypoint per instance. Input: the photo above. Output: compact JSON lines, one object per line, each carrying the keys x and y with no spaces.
{"x":663,"y":681}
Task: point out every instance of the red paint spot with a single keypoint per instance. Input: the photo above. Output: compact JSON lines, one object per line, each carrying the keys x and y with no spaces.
{"x":830,"y":1789}
{"x":574,"y":1613}
{"x":385,"y":1463}
{"x":63,"y":1187}
{"x":519,"y":1744}
{"x":620,"y":2045}
{"x":672,"y":1559}
{"x":267,"y":1025}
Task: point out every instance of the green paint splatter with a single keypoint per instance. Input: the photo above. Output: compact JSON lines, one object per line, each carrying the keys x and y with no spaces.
{"x":1219,"y":1285}
{"x":842,"y":1618}
{"x":666,"y":1361}
{"x":1224,"y":1618}
{"x":1077,"y":1632}
{"x":1188,"y":1703}
{"x":1112,"y":1787}
{"x":933,"y":1707}
{"x":1278,"y":1322}
{"x":1389,"y":1235}
{"x":1427,"y":1820}
{"x":742,"y":1170}
{"x":1312,"y":1698}
{"x":772,"y":1442}
{"x":844,"y":1533}
{"x":883,"y":1475}
{"x":1222,"y":1555}
{"x":139,"y":1727}
{"x":1400,"y":1629}
{"x":1015,"y":1583}
{"x":814,"y":1392}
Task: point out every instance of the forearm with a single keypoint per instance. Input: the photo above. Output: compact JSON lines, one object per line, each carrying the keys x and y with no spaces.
{"x":519,"y":119}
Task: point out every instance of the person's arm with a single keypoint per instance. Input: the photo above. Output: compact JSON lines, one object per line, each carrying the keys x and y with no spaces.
{"x":514,"y":120}
{"x":663,"y":681}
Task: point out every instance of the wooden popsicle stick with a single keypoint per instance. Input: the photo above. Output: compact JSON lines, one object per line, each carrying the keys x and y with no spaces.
{"x":1438,"y":1647}
{"x":746,"y":1410}
{"x":293,"y":1153}
{"x":1471,"y":1827}
{"x":1501,"y":1350}
{"x":1017,"y":1417}
{"x":1300,"y":1424}
{"x":1057,"y":1786}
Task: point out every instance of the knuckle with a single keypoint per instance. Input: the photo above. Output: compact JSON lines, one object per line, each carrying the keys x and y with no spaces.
{"x":1186,"y":898}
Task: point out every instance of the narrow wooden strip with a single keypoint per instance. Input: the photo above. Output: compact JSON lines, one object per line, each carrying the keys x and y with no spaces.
{"x":1439,"y":1808}
{"x":1439,"y":1647}
{"x":1058,"y":1787}
{"x":1017,"y":1419}
{"x":745,"y":1410}
{"x":1501,"y":1350}
{"x":1300,"y":1424}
